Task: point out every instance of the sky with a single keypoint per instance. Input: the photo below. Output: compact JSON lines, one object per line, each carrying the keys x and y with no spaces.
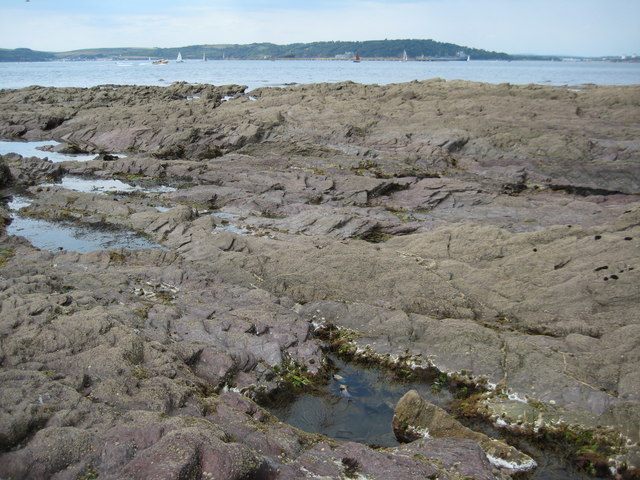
{"x":590,"y":28}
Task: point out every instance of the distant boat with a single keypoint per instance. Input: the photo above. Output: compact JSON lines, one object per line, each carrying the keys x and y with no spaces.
{"x":179,"y":59}
{"x":357,"y":59}
{"x":404,"y":56}
{"x":160,"y":62}
{"x":204,"y":57}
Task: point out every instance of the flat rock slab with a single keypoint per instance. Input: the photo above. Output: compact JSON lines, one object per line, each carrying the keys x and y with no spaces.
{"x":415,"y":418}
{"x":485,"y":229}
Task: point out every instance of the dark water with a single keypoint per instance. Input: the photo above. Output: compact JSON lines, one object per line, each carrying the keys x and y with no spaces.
{"x":361,"y":413}
{"x":364,"y":411}
{"x":56,"y":236}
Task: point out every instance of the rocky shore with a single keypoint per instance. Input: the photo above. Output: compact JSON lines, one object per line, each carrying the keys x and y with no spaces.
{"x":490,"y":232}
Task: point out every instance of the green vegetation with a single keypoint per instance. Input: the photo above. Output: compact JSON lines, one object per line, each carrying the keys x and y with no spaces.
{"x":440,"y":382}
{"x":25,"y":55}
{"x":293,"y":374}
{"x":590,"y":449}
{"x":89,"y":474}
{"x":340,"y":339}
{"x":140,"y":373}
{"x":366,"y":49}
{"x":117,"y":257}
{"x":5,"y":255}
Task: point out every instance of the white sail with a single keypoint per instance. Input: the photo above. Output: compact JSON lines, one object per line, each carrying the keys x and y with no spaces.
{"x":404,"y":56}
{"x":179,"y":59}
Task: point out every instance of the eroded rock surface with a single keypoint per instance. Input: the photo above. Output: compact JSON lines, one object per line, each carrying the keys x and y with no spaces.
{"x":416,"y":418}
{"x":488,"y":230}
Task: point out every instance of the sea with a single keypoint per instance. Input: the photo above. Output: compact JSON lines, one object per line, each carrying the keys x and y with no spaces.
{"x":278,"y":73}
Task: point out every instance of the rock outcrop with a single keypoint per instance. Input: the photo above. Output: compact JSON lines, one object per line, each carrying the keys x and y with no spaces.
{"x":490,"y":231}
{"x":416,"y":418}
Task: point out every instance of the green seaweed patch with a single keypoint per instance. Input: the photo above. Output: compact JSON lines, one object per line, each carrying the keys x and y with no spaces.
{"x":293,"y":374}
{"x":590,"y":449}
{"x":340,"y":340}
{"x":5,"y":255}
{"x":375,"y":235}
{"x":117,"y":257}
{"x":469,"y":407}
{"x":142,"y":312}
{"x":536,"y":404}
{"x":404,"y":368}
{"x":89,"y":474}
{"x":272,"y":215}
{"x":140,"y":373}
{"x":404,"y":216}
{"x":464,"y":385}
{"x":441,"y":381}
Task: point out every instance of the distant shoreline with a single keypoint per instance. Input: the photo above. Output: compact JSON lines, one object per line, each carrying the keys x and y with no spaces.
{"x":330,"y":59}
{"x":395,"y":49}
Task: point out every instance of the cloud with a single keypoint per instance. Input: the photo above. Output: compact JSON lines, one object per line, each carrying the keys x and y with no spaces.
{"x":585,"y":27}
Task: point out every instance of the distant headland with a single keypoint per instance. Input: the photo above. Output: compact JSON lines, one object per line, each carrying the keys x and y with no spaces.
{"x":408,"y":49}
{"x":372,"y":49}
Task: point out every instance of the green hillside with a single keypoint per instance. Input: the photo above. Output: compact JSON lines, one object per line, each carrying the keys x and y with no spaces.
{"x":25,"y":55}
{"x":366,"y":49}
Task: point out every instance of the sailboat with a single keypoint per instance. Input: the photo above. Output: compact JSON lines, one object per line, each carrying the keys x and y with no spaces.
{"x":204,"y":57}
{"x":404,"y":56}
{"x":357,"y":59}
{"x":179,"y":59}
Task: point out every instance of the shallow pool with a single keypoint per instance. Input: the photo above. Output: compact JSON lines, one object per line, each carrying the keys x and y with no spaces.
{"x":33,"y":149}
{"x":356,"y":405}
{"x":362,"y":412}
{"x":56,"y":236}
{"x":89,"y":185}
{"x":71,"y":236}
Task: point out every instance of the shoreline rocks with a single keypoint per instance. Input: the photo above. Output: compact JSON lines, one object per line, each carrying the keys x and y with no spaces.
{"x":415,"y":418}
{"x":452,"y":223}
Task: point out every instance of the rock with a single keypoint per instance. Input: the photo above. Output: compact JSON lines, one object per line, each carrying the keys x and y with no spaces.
{"x":30,"y":171}
{"x":391,"y":126}
{"x":6,"y":178}
{"x":416,"y":418}
{"x":51,"y":451}
{"x":448,"y":452}
{"x":436,"y":221}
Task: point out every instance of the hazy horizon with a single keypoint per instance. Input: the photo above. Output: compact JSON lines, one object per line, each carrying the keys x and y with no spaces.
{"x":586,"y":28}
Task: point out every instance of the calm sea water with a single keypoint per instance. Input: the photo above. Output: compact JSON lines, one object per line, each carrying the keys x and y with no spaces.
{"x":259,"y":73}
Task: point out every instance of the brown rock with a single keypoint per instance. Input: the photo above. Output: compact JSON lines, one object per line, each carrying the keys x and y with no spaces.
{"x":416,"y":418}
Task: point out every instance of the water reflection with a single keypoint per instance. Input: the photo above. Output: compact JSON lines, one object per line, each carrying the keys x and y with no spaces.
{"x":229,"y":227}
{"x":362,"y":412}
{"x":356,"y":405}
{"x":55,"y":236}
{"x":34,"y":149}
{"x":60,"y":235}
{"x":88,"y":185}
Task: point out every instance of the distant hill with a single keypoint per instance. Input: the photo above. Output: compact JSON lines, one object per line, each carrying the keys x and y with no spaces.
{"x":366,"y":49}
{"x":25,"y":55}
